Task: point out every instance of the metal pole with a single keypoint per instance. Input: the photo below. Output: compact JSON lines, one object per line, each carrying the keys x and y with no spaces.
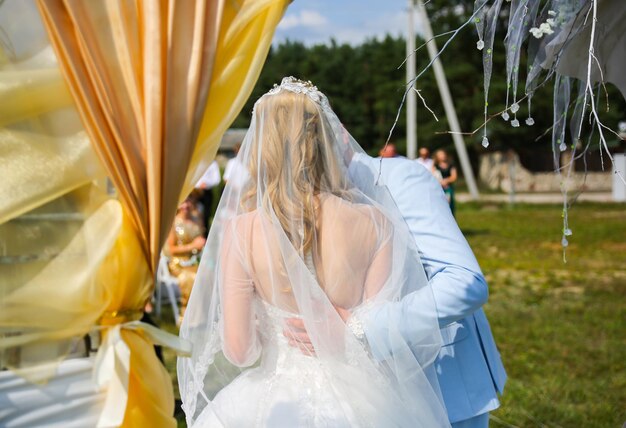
{"x":448,"y":105}
{"x":411,"y":125}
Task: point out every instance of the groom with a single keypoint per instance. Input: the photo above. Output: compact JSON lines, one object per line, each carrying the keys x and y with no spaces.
{"x":469,"y":368}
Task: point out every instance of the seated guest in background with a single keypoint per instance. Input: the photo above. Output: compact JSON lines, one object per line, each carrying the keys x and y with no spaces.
{"x":445,"y":172}
{"x":184,"y":244}
{"x":210,"y":179}
{"x":424,"y":158}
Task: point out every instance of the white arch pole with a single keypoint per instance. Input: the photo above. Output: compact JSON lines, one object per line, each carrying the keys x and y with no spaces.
{"x":448,"y":105}
{"x":411,"y":116}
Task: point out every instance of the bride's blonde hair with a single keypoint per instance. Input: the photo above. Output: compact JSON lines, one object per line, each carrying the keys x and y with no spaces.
{"x":297,"y":162}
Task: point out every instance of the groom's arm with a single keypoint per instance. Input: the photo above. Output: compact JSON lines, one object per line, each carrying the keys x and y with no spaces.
{"x":240,"y":341}
{"x":456,"y":280}
{"x":452,"y":270}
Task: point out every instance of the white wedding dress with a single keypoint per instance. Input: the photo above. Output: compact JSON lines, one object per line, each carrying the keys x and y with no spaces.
{"x":288,"y":389}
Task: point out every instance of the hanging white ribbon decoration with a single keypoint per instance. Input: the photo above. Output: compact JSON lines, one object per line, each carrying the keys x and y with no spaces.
{"x":112,"y":367}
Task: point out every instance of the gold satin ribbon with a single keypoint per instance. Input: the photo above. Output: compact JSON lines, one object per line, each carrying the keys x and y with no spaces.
{"x":112,"y":364}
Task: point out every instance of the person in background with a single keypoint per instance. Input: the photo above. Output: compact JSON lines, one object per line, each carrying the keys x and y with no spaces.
{"x":184,"y":244}
{"x":424,"y":158}
{"x":210,"y":179}
{"x":445,"y":172}
{"x":388,"y":151}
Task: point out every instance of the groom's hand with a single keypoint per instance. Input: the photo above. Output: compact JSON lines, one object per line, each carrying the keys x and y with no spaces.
{"x":298,"y":337}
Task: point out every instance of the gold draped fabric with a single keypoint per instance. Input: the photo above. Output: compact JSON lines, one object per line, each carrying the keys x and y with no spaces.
{"x":141,"y":92}
{"x":139,"y":73}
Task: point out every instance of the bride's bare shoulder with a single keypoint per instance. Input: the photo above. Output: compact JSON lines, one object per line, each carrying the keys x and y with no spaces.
{"x":243,"y":223}
{"x":350,"y":209}
{"x":247,"y":217}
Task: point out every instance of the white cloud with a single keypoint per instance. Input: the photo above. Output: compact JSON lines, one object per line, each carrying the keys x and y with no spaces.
{"x":388,"y":23}
{"x":306,"y":18}
{"x":321,"y":30}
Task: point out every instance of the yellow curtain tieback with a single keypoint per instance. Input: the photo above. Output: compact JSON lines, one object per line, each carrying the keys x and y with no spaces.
{"x":112,"y":363}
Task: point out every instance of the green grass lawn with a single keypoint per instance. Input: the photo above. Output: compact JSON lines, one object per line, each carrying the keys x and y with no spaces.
{"x":560,"y":327}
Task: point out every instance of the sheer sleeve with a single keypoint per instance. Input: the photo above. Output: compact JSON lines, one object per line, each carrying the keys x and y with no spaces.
{"x":240,"y":340}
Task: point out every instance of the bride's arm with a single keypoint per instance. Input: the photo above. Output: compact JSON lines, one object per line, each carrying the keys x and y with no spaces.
{"x":240,"y":342}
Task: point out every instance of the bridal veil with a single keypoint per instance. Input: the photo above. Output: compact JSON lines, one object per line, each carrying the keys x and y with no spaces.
{"x":309,"y":230}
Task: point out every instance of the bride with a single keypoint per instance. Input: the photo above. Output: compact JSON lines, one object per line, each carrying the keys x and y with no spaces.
{"x":304,"y":239}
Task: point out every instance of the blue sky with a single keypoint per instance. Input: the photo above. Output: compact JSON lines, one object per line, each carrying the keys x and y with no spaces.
{"x":348,"y":21}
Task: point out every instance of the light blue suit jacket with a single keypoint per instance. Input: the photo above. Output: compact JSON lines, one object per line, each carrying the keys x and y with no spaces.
{"x":469,"y":367}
